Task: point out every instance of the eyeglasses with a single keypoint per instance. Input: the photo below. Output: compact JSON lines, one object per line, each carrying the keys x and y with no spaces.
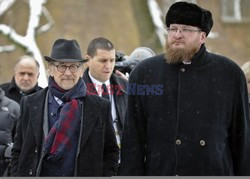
{"x":184,"y":31}
{"x":62,"y":68}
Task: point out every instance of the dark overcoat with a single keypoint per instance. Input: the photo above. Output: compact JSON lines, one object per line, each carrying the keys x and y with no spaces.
{"x":187,"y":119}
{"x":97,"y":148}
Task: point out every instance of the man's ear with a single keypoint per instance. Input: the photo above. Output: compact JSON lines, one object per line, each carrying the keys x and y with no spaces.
{"x":87,"y":57}
{"x":203,"y":37}
{"x":49,"y":70}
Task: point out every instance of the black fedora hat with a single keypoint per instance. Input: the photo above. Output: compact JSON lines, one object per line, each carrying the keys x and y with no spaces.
{"x":65,"y":51}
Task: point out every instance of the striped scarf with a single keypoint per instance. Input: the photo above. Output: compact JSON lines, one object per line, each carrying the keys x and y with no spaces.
{"x":62,"y":132}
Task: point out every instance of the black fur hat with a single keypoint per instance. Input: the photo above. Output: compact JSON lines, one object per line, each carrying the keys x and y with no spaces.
{"x":189,"y":14}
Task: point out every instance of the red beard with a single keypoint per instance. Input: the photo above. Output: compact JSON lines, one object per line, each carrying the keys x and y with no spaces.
{"x":174,"y":55}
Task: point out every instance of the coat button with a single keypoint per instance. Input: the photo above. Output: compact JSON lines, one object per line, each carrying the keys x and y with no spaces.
{"x":30,"y":172}
{"x":202,"y":142}
{"x":178,"y":142}
{"x":182,"y":69}
{"x":36,"y":150}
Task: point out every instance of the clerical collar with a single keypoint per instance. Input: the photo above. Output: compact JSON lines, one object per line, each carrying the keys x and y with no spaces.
{"x":186,"y":62}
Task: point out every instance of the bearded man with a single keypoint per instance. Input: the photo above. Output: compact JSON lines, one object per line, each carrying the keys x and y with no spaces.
{"x":199,"y":124}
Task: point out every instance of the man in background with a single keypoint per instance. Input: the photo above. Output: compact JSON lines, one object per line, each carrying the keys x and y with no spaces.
{"x":125,"y":64}
{"x":99,"y":77}
{"x":25,"y":79}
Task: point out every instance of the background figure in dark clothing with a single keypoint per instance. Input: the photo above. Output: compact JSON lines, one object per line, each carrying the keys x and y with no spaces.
{"x":196,"y":123}
{"x":62,"y":130}
{"x":125,"y":64}
{"x":246,"y":69}
{"x":101,"y":62}
{"x":25,"y":79}
{"x":9,"y":112}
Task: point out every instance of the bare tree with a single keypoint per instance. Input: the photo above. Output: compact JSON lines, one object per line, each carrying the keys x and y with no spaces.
{"x":157,"y":18}
{"x":28,"y":41}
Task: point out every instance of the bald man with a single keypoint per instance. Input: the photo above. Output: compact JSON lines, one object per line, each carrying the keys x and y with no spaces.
{"x":24,"y":82}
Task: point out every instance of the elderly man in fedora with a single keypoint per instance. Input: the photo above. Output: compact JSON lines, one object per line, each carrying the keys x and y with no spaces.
{"x":61,"y":130}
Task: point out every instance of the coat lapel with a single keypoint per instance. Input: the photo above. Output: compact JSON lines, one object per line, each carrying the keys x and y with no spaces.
{"x":90,"y":85}
{"x":37,"y":112}
{"x":91,"y":114}
{"x":119,"y":93}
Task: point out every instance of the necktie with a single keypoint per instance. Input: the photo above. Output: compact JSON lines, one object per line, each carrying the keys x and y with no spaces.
{"x":105,"y":92}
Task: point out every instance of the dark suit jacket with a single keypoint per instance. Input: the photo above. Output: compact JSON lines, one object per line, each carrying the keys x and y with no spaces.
{"x":98,"y":151}
{"x":120,"y":95}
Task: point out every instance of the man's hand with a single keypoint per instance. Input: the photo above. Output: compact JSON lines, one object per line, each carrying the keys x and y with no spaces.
{"x":121,"y":74}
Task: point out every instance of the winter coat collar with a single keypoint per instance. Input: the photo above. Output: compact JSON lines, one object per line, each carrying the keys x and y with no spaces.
{"x":14,"y":87}
{"x":200,"y":58}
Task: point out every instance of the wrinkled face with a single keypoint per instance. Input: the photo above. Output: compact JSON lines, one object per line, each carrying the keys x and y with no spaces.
{"x":26,"y":75}
{"x":102,"y":64}
{"x":66,"y":75}
{"x":183,"y":42}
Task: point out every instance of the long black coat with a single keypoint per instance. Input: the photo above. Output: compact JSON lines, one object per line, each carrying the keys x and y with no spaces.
{"x":98,"y":151}
{"x":195,"y":122}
